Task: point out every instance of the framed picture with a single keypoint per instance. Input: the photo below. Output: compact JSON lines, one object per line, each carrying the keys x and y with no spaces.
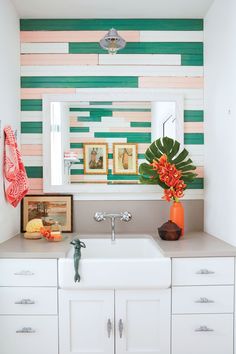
{"x":48,"y":208}
{"x":95,"y":158}
{"x":125,"y":159}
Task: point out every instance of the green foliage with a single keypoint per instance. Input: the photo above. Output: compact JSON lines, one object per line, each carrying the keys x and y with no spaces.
{"x":171,"y":148}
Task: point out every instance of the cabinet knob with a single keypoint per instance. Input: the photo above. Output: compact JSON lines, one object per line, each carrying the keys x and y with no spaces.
{"x":25,"y":302}
{"x":205,"y":271}
{"x":109,"y":328}
{"x":24,"y":272}
{"x":121,"y":328}
{"x":204,"y":300}
{"x":204,"y":329}
{"x":26,"y":330}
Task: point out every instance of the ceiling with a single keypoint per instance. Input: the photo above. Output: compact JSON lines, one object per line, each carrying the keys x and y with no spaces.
{"x":112,"y":8}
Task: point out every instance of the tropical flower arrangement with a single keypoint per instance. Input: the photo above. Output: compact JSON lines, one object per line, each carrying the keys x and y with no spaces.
{"x":168,"y":167}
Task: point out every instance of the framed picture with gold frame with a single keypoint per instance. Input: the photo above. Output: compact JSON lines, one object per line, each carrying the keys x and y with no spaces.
{"x":50,"y":208}
{"x":95,"y":158}
{"x":125,"y":159}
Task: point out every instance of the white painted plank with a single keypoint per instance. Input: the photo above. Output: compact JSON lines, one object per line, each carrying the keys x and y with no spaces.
{"x":50,"y":48}
{"x":80,"y":113}
{"x":190,"y":71}
{"x":139,"y":59}
{"x":33,"y":160}
{"x":171,"y":36}
{"x":31,"y":116}
{"x":31,"y":139}
{"x":195,"y":150}
{"x":193,"y":104}
{"x":112,"y":123}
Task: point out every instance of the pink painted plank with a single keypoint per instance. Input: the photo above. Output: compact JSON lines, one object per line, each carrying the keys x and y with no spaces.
{"x":37,"y":93}
{"x":133,"y":116}
{"x":200,"y":171}
{"x":35,"y":191}
{"x":58,"y":59}
{"x":130,"y":129}
{"x":73,"y":36}
{"x":193,"y":127}
{"x":31,"y":150}
{"x":171,"y":82}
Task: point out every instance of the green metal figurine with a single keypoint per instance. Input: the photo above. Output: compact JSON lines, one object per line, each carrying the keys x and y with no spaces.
{"x":77,"y":255}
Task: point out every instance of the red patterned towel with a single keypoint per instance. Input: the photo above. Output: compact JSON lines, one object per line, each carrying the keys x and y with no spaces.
{"x":15,"y":177}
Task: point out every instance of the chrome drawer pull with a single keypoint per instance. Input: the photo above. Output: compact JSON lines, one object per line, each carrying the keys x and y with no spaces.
{"x":204,"y":300}
{"x":204,"y":329}
{"x":24,"y":272}
{"x":26,"y":330}
{"x":25,"y":302}
{"x":205,"y":271}
{"x":109,"y":328}
{"x":121,"y":327}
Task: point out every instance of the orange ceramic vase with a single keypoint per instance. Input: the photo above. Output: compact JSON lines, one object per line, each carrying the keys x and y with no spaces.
{"x":177,"y":215}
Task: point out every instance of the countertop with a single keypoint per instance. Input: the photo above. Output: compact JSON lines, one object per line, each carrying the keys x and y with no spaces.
{"x":193,"y":244}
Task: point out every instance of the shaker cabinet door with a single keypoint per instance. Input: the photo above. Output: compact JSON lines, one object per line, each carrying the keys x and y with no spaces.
{"x":142,"y":322}
{"x":86,"y":323}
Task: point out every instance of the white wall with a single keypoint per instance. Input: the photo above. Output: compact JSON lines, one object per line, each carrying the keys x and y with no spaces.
{"x":220,"y":120}
{"x":9,"y":102}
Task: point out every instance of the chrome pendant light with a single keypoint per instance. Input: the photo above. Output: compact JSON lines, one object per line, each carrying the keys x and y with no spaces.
{"x":112,"y":42}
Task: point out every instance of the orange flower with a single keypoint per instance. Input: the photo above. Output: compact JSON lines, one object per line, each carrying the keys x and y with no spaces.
{"x":168,"y":195}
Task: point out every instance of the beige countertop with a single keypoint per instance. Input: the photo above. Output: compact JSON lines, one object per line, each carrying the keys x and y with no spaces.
{"x":194,"y":244}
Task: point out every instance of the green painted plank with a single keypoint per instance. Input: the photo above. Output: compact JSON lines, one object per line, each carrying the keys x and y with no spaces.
{"x":76,"y":145}
{"x":110,"y":156}
{"x":31,"y":127}
{"x":31,"y":105}
{"x":102,"y":103}
{"x":34,"y":171}
{"x":78,"y":81}
{"x":89,"y":119}
{"x":141,"y":48}
{"x":108,"y":111}
{"x":193,"y":116}
{"x":131,"y":137}
{"x":198,"y":183}
{"x":111,"y":177}
{"x":141,"y":156}
{"x":105,"y":24}
{"x":194,"y":138}
{"x":140,"y":124}
{"x":192,"y":60}
{"x":79,"y":129}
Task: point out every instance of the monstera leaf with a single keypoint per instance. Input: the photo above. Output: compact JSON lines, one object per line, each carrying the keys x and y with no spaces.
{"x":171,"y":148}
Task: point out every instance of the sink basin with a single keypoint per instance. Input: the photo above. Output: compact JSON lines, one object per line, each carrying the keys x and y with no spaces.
{"x":126,"y":263}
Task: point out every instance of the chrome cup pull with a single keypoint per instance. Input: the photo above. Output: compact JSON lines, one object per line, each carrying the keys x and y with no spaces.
{"x":121,"y":328}
{"x":109,"y":328}
{"x":24,"y":272}
{"x":25,"y":302}
{"x":204,"y":329}
{"x":205,"y":271}
{"x":26,"y":330}
{"x":204,"y":300}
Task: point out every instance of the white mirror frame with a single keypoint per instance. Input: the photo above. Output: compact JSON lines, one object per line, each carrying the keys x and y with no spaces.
{"x":106,"y":191}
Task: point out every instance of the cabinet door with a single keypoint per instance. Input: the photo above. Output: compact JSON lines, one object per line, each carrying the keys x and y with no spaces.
{"x":86,"y":322}
{"x":143,"y":322}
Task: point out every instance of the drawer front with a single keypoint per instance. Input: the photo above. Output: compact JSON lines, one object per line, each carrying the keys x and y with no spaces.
{"x":29,"y":334}
{"x":28,"y":301}
{"x":202,"y":334}
{"x":203,"y":271}
{"x":28,"y":272}
{"x":203,"y":299}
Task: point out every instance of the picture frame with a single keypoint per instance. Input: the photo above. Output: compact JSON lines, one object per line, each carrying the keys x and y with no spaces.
{"x":50,"y":208}
{"x":125,"y":159}
{"x":95,"y":158}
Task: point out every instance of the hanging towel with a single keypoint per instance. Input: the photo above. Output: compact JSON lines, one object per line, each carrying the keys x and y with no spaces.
{"x":15,"y":177}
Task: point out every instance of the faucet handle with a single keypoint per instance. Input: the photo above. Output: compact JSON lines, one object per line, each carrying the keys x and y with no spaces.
{"x":99,"y":216}
{"x":126,"y":216}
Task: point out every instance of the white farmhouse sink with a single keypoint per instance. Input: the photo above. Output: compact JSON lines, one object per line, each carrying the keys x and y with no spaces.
{"x":126,"y":263}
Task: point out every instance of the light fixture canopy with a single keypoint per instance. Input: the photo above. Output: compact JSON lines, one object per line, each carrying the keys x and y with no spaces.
{"x":112,"y":41}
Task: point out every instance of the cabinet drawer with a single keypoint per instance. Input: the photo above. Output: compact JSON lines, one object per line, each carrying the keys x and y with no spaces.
{"x":202,"y":334}
{"x":28,"y":272}
{"x":203,"y":299}
{"x":28,"y":301}
{"x":28,"y":334}
{"x":203,"y":271}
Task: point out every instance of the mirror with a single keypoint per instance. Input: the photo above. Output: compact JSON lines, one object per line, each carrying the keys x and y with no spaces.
{"x":96,"y":142}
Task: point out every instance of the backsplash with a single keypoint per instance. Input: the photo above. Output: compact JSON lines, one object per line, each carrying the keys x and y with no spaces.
{"x":59,"y":56}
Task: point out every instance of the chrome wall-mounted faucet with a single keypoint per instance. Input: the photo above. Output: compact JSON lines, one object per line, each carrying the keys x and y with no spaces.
{"x":101,"y":216}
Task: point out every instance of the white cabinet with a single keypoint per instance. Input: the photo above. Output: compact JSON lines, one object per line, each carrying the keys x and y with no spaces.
{"x":142,"y":321}
{"x":121,"y":322}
